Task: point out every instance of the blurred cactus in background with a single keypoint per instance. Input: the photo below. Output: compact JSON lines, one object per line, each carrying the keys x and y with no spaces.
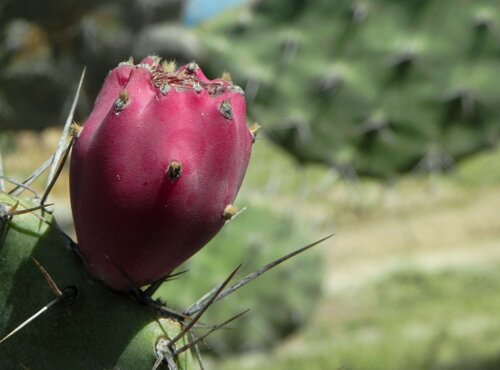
{"x":370,"y":87}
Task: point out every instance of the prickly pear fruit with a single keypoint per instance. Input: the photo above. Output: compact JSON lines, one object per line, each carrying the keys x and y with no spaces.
{"x":155,"y":170}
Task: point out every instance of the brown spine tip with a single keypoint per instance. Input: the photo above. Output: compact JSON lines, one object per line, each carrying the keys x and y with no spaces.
{"x":229,"y":212}
{"x":121,"y":102}
{"x":169,"y":66}
{"x":128,"y":62}
{"x":13,"y":209}
{"x":75,"y":129}
{"x":174,"y":170}
{"x":226,"y":76}
{"x":254,"y":130}
{"x":226,"y":109}
{"x":156,"y":60}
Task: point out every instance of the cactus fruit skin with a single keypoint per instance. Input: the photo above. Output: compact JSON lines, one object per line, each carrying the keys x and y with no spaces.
{"x":98,"y":329}
{"x":159,"y":159}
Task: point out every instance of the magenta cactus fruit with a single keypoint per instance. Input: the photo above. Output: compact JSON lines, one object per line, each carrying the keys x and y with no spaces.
{"x":155,"y":170}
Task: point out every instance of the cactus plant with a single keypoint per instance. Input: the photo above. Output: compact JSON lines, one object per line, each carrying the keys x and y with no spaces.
{"x":87,"y":321}
{"x":381,"y":87}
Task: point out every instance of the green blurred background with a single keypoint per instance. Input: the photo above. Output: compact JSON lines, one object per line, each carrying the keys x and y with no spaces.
{"x":381,"y":124}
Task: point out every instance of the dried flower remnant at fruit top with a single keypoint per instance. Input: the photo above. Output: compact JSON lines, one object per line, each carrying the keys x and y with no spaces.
{"x":155,"y":168}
